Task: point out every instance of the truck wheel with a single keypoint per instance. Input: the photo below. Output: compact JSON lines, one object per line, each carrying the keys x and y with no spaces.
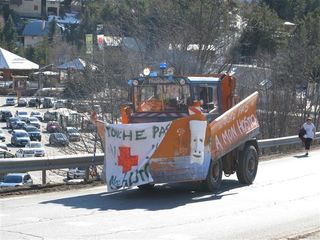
{"x":146,"y":187}
{"x":247,"y":165}
{"x":214,"y":177}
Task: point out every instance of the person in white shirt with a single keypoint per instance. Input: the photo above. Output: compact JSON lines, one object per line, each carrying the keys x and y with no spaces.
{"x":310,"y":133}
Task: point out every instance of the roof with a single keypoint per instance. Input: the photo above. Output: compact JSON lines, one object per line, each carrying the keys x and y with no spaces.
{"x":36,"y":28}
{"x":77,"y":64}
{"x":203,"y":79}
{"x":47,"y":73}
{"x":9,"y":60}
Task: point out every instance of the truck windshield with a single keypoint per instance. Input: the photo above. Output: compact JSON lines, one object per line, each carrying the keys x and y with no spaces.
{"x":165,"y":97}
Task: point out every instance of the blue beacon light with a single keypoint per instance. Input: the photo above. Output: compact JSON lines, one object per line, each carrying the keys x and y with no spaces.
{"x":163,"y":65}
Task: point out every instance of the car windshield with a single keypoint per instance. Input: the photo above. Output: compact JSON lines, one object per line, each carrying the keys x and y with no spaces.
{"x":13,"y":119}
{"x":26,"y":151}
{"x":32,"y":129}
{"x":23,"y":113}
{"x":165,"y":96}
{"x":72,"y":130}
{"x":22,"y":134}
{"x":13,"y":179}
{"x":60,"y":136}
{"x":35,"y":113}
{"x":33,"y":120}
{"x":35,"y":145}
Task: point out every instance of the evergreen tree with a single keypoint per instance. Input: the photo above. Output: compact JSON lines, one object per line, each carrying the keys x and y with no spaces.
{"x":10,"y":35}
{"x":53,"y":31}
{"x":262,"y":34}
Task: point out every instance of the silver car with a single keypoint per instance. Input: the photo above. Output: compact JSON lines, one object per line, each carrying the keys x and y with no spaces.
{"x":16,"y":179}
{"x":10,"y":101}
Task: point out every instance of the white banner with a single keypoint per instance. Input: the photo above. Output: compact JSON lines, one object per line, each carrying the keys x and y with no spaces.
{"x":128,"y":150}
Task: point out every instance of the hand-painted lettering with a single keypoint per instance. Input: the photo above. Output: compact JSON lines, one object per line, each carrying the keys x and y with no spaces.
{"x":140,"y":135}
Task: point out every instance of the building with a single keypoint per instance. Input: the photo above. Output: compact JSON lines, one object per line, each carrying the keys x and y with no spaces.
{"x":34,"y":32}
{"x":35,"y":8}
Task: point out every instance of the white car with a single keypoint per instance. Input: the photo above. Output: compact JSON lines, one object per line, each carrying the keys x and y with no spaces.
{"x":22,"y":102}
{"x":25,"y":152}
{"x":73,"y":134}
{"x":16,"y":179}
{"x":37,"y":147}
{"x":37,"y":115}
{"x":4,"y":146}
{"x":34,"y":122}
{"x":23,"y":115}
{"x":76,"y":173}
{"x":10,"y":101}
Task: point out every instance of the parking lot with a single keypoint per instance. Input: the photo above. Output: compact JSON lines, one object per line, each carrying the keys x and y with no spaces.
{"x":85,"y":144}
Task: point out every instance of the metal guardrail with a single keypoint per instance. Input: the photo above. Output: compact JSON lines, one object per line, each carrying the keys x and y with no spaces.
{"x":274,"y":142}
{"x":85,"y":160}
{"x":48,"y":163}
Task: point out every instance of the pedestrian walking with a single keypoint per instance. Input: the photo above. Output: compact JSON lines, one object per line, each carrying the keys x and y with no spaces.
{"x":310,"y":129}
{"x":37,"y":103}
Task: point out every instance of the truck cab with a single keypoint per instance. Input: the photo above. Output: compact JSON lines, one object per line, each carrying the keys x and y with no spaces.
{"x":161,"y":98}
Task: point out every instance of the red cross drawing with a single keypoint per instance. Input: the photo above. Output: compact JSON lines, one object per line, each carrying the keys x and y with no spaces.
{"x":126,"y":160}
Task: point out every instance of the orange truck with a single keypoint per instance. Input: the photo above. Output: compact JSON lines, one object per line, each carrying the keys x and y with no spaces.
{"x":181,"y":129}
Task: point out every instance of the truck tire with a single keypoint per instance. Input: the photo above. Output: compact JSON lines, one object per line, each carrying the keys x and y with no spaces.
{"x":248,"y":165}
{"x":214,"y":177}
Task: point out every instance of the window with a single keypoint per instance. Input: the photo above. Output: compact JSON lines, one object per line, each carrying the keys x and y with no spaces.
{"x":26,"y":178}
{"x":35,"y":7}
{"x":208,"y":95}
{"x":164,"y":97}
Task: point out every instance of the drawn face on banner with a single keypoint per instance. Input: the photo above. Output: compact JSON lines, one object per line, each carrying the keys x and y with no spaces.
{"x":198,"y":132}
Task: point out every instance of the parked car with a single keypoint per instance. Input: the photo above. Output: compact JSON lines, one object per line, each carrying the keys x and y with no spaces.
{"x":20,"y":138}
{"x":60,"y":103}
{"x":4,"y":115}
{"x":22,"y":102}
{"x":10,"y":101}
{"x":32,"y":102}
{"x":19,"y":125}
{"x":16,"y":179}
{"x":34,"y":122}
{"x":2,"y":135}
{"x":25,"y":152}
{"x":76,"y":173}
{"x":23,"y":115}
{"x":4,"y":146}
{"x":37,"y":114}
{"x":58,"y":139}
{"x":12,"y":94}
{"x":73,"y":134}
{"x":34,"y":133}
{"x":38,"y":148}
{"x":12,"y":121}
{"x":5,"y":154}
{"x":50,"y":116}
{"x":53,"y":126}
{"x":48,"y":102}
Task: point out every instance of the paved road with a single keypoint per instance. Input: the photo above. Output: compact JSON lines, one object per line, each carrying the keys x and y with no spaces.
{"x":283,"y":202}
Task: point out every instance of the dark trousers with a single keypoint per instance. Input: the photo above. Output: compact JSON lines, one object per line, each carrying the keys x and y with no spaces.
{"x":307,"y":143}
